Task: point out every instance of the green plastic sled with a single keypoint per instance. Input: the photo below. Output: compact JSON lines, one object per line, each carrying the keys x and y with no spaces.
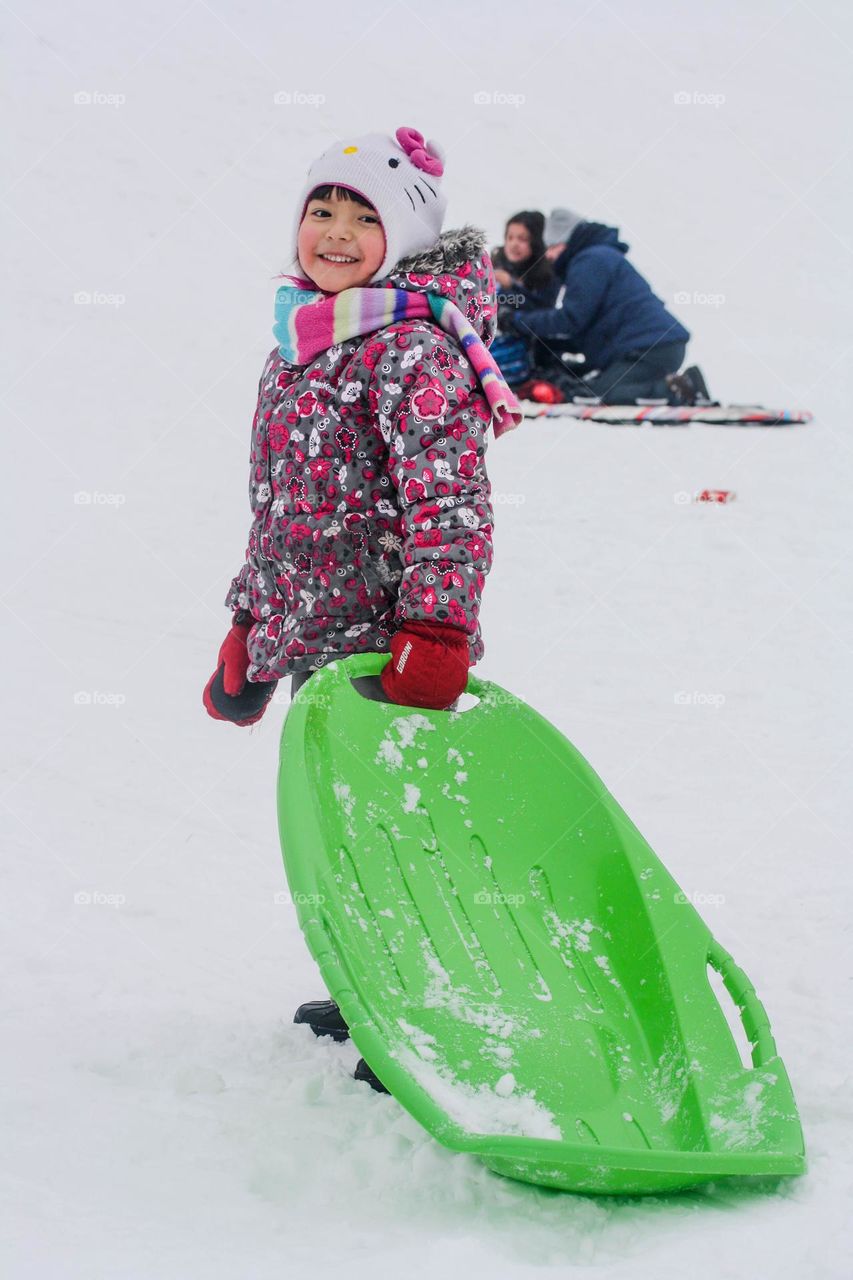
{"x":513,"y":961}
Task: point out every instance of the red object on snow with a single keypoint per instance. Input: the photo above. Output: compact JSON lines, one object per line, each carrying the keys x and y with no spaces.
{"x":716,"y":495}
{"x":546,"y":393}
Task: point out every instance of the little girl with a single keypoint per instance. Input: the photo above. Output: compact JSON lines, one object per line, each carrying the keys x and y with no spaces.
{"x":372,"y":526}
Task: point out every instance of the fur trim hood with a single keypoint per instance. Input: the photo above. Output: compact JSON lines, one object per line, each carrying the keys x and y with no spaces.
{"x":450,"y":251}
{"x":458,"y":267}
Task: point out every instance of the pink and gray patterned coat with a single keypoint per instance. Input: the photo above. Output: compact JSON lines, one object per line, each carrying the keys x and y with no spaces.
{"x":368,"y":482}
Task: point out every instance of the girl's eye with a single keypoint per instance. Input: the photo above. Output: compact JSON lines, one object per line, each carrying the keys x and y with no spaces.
{"x":320,"y":213}
{"x":368,"y":217}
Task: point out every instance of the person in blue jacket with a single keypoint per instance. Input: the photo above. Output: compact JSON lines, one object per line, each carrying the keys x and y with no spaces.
{"x":602,"y":308}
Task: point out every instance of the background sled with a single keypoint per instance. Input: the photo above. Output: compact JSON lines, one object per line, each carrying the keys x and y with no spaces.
{"x":512,"y":959}
{"x":669,"y":415}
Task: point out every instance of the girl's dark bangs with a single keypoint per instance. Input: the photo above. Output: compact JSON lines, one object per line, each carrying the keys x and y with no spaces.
{"x":327,"y":190}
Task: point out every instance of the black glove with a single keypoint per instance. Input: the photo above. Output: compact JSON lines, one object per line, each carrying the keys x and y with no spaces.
{"x":506,"y":318}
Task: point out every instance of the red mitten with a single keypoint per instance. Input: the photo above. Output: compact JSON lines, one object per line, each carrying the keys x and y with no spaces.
{"x":428,"y":667}
{"x":228,"y":695}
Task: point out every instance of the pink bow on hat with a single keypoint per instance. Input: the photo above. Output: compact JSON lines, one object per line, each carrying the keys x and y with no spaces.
{"x":424,"y":155}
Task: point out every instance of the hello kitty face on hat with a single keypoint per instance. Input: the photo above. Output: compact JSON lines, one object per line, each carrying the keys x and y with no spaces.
{"x":401,"y":176}
{"x":427,"y":157}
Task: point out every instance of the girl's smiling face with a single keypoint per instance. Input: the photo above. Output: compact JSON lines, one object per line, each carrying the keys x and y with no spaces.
{"x":341,"y":243}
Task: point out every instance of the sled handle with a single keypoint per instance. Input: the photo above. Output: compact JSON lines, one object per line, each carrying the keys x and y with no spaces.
{"x":753,"y":1015}
{"x":368,"y":666}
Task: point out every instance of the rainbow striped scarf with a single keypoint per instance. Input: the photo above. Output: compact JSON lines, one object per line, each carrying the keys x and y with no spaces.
{"x":308,"y":322}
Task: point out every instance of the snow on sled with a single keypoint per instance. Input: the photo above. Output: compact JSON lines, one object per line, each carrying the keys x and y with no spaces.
{"x":513,"y":961}
{"x":730,"y":415}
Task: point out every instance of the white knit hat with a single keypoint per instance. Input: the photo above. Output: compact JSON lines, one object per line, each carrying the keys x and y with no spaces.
{"x":401,"y":178}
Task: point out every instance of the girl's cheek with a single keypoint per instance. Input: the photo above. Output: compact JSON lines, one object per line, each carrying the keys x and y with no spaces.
{"x":365,"y":276}
{"x":375,"y":251}
{"x":306,"y":240}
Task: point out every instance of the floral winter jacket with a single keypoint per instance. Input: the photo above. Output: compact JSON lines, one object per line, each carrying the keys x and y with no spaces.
{"x":368,"y":483}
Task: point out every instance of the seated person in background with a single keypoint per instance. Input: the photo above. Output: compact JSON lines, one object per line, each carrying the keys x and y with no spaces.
{"x":523,"y":274}
{"x":521,"y":259}
{"x":603,"y":308}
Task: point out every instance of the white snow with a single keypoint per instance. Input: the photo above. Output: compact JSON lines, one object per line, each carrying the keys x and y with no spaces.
{"x":421,"y":1041}
{"x":481,"y":1109}
{"x":403,"y":733}
{"x":506,"y":1085}
{"x":389,"y":754}
{"x":344,"y":796}
{"x":442,"y":994}
{"x":162,"y":1118}
{"x":411,"y":797}
{"x":741,"y":1130}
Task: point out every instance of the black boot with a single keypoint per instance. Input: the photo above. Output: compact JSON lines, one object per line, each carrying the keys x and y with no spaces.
{"x":702,"y":394}
{"x":363,"y":1072}
{"x":681,"y":391}
{"x":324,"y":1018}
{"x":689,"y":388}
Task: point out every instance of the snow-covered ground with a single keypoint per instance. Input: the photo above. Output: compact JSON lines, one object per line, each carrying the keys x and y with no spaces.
{"x":161,"y":1116}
